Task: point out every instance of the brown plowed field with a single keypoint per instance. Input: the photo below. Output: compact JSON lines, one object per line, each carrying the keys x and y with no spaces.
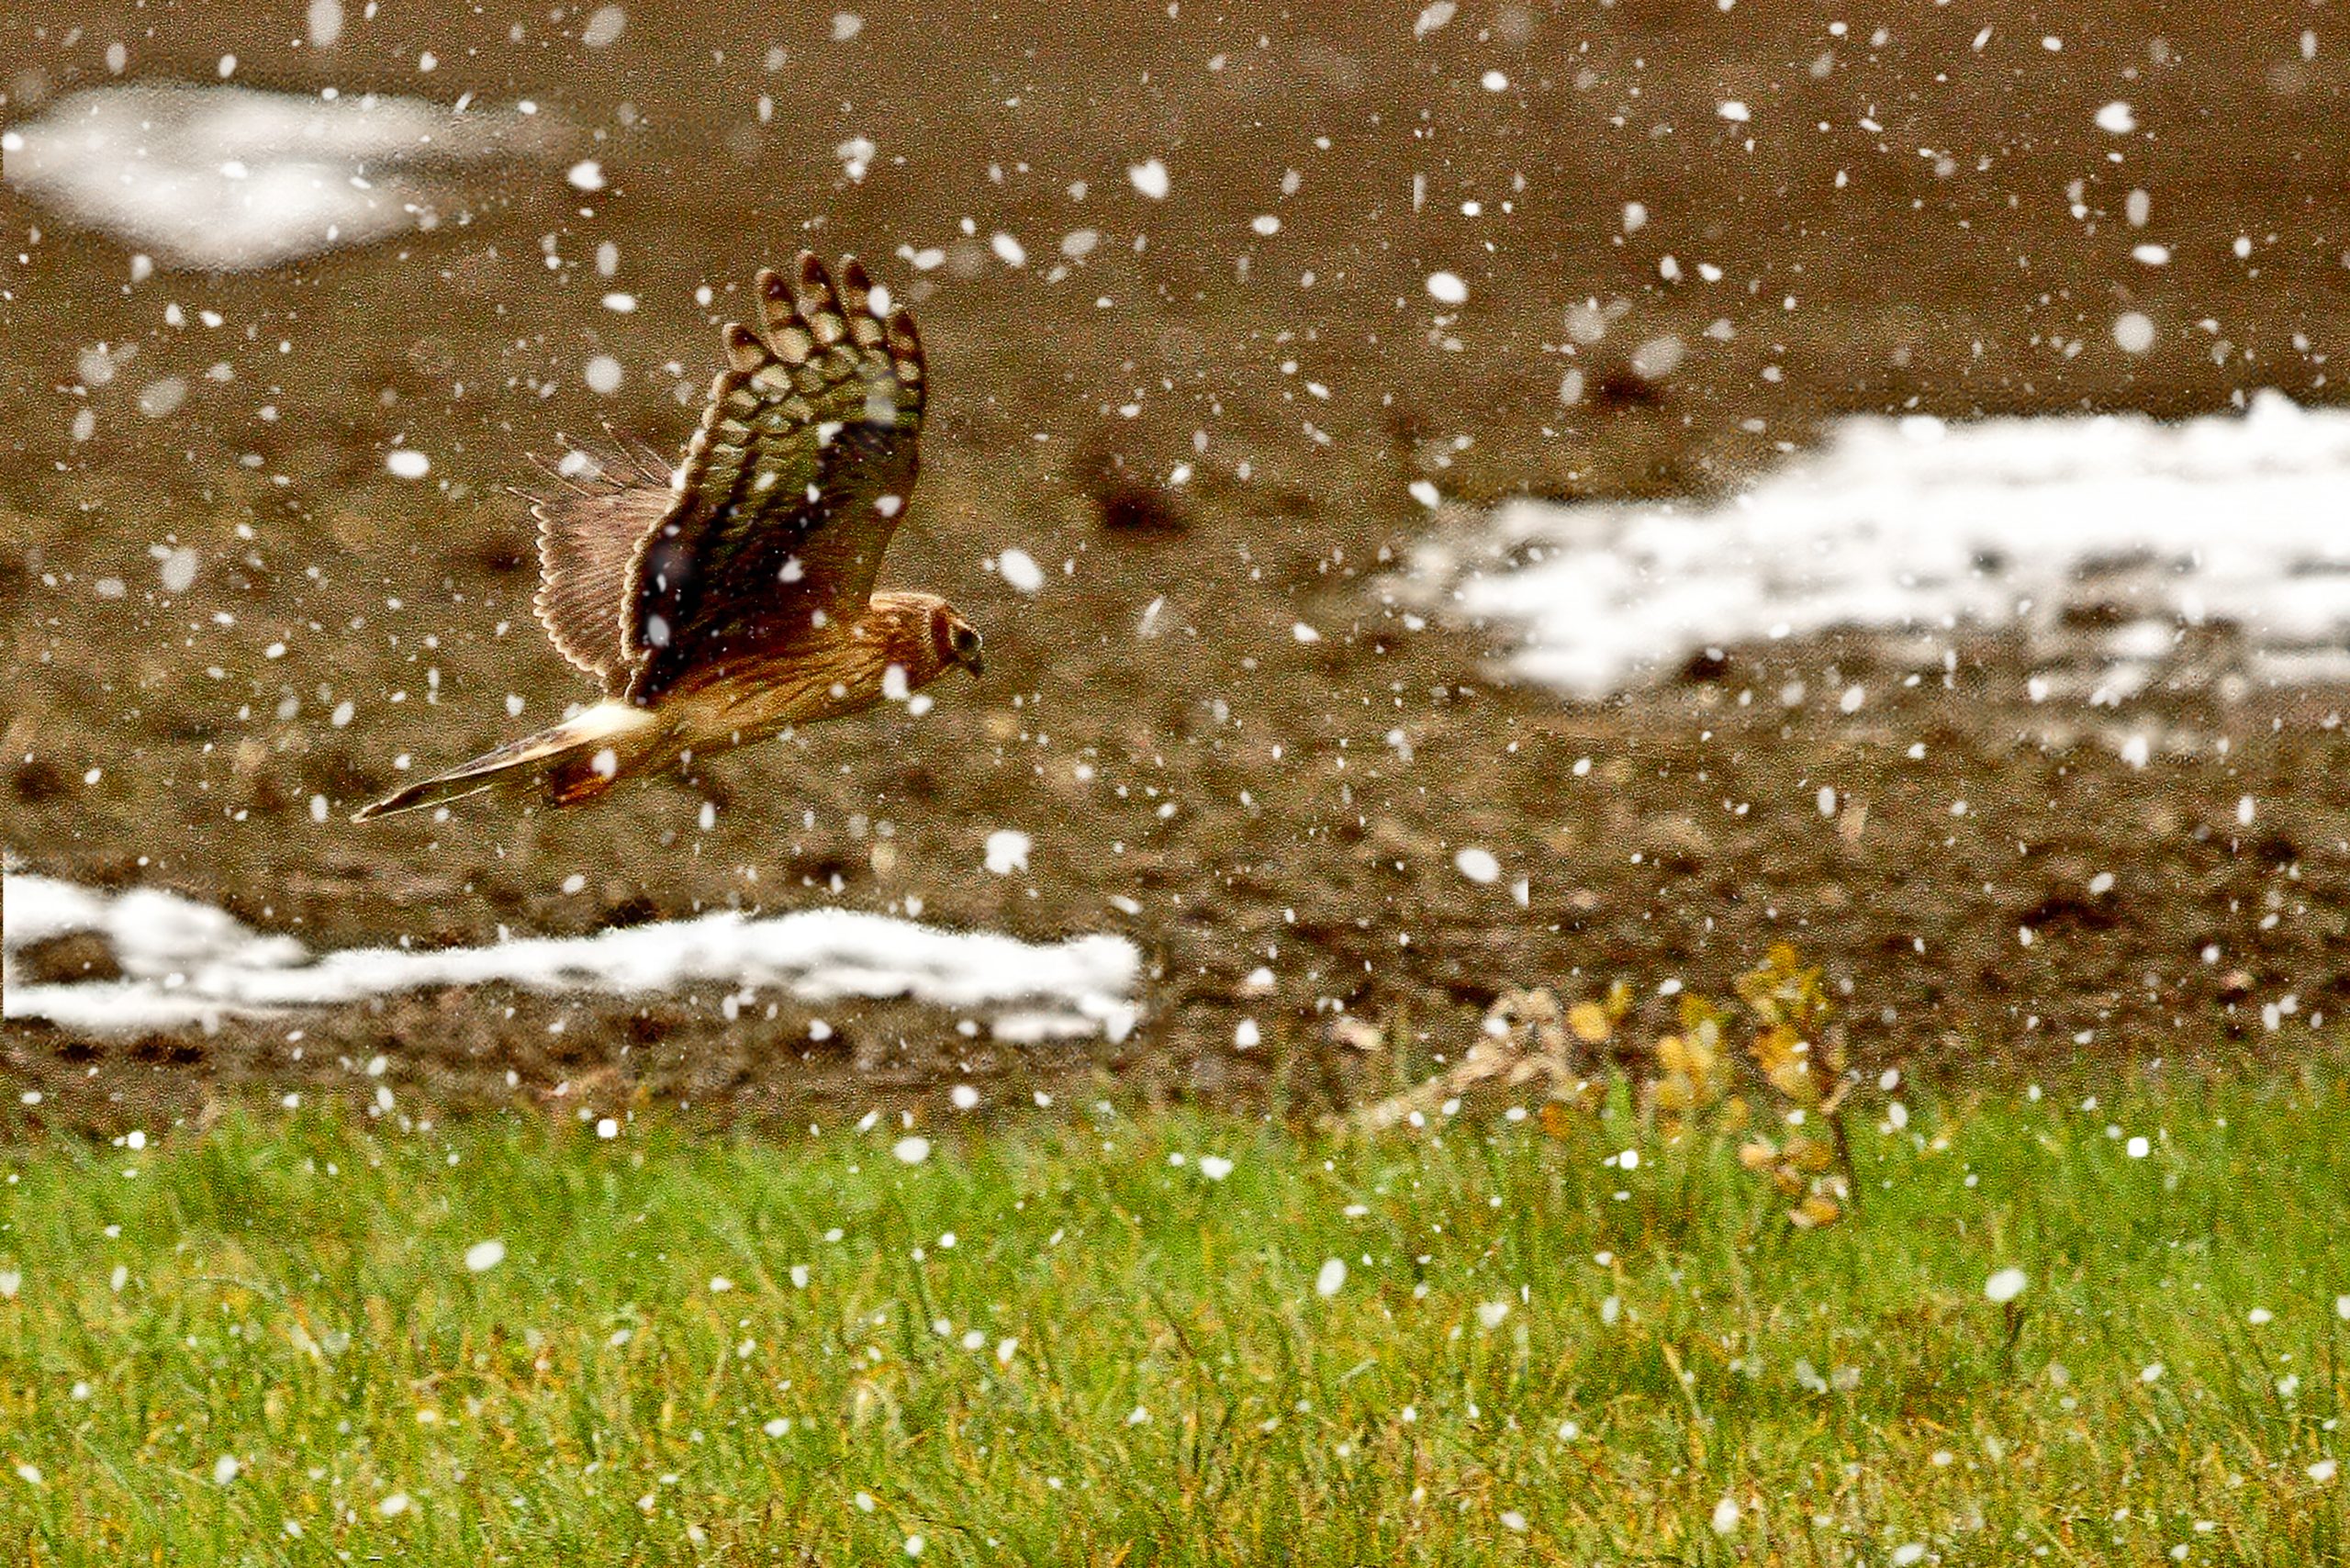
{"x":1954,"y":241}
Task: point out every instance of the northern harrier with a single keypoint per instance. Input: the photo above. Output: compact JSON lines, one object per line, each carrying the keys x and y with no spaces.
{"x":733,"y":599}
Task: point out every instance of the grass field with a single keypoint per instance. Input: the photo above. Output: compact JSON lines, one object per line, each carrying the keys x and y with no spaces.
{"x":1069,"y":1334}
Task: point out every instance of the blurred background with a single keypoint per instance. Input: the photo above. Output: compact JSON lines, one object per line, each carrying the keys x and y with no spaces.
{"x":1241,"y":323}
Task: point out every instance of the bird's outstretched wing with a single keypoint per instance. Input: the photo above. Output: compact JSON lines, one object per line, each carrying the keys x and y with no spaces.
{"x":779,"y":512}
{"x":787,"y":494}
{"x":589,"y":533}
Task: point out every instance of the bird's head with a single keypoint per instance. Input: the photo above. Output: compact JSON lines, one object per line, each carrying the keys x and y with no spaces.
{"x":956,"y":640}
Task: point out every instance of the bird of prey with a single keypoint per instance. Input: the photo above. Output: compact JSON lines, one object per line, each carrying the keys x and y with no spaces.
{"x":733,"y":600}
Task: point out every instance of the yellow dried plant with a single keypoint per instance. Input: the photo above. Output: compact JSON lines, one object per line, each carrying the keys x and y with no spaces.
{"x":1692,"y":1081}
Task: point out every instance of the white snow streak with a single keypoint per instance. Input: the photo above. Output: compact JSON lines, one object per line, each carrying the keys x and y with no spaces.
{"x":232,"y":179}
{"x":1915,"y":527}
{"x":187,"y":963}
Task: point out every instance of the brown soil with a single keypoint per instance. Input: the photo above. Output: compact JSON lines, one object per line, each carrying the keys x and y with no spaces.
{"x":1950,"y":270}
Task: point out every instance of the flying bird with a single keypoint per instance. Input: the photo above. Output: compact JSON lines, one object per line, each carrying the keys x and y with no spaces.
{"x":733,"y":600}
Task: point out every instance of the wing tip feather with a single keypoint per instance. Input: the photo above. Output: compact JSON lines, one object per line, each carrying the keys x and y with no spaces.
{"x":745,"y":352}
{"x":905,"y":346}
{"x":817,"y":312}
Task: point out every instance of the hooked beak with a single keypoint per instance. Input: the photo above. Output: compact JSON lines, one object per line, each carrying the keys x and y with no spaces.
{"x":974,"y":663}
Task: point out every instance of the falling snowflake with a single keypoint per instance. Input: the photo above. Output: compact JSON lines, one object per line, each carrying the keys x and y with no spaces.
{"x":1150,"y":177}
{"x":604,"y":27}
{"x":1019,"y":569}
{"x":1007,"y":851}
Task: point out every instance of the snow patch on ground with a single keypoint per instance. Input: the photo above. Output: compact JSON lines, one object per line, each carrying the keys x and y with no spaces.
{"x":2102,"y":539}
{"x":187,"y":963}
{"x":232,"y":179}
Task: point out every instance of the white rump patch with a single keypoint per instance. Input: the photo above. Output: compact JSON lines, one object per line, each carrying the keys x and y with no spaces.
{"x":187,"y":963}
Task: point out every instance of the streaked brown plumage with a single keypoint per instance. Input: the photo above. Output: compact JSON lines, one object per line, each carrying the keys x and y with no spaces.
{"x":733,"y":599}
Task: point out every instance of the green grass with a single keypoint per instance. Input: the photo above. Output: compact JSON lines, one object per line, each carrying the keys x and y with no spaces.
{"x":1534,"y":1354}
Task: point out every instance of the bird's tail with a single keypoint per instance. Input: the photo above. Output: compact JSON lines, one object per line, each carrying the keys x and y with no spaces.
{"x":574,"y":761}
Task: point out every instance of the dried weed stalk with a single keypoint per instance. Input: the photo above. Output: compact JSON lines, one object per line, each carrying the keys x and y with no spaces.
{"x":1689,"y":1083}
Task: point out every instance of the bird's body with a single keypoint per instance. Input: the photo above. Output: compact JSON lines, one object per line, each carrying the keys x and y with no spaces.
{"x":732,"y":601}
